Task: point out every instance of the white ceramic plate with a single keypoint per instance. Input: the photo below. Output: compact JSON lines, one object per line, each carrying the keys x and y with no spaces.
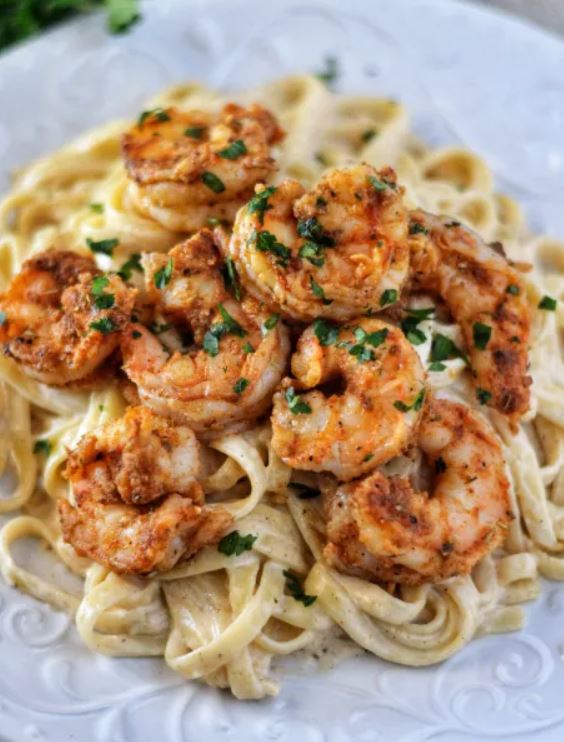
{"x":468,"y":76}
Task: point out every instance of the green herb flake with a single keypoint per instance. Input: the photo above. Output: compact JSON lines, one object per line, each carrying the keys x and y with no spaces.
{"x":104,"y":301}
{"x":326,"y":333}
{"x":157,"y":114}
{"x":136,"y":334}
{"x":296,"y":590}
{"x":195,"y":132}
{"x":483,"y":395}
{"x":267,"y":242}
{"x":330,"y":72}
{"x":240,"y":385}
{"x":133,"y":263}
{"x":362,"y":353}
{"x":214,"y":183}
{"x":43,"y":446}
{"x":105,"y":247}
{"x":548,"y":303}
{"x":232,"y":327}
{"x":235,"y":150}
{"x":96,"y":208}
{"x":481,"y":335}
{"x":105,"y":325}
{"x":3,"y":318}
{"x":248,"y":348}
{"x":437,"y":366}
{"x":377,"y":338}
{"x":318,"y":291}
{"x":313,"y":253}
{"x":303,"y":491}
{"x":416,"y":405}
{"x":270,"y":323}
{"x":416,"y":228}
{"x":389,"y":296}
{"x":99,"y":283}
{"x":296,"y":404}
{"x":161,"y":278}
{"x":513,"y":289}
{"x":231,"y":278}
{"x":311,"y":229}
{"x":210,"y":343}
{"x":234,"y":544}
{"x":122,"y":14}
{"x":259,"y":203}
{"x":443,"y":348}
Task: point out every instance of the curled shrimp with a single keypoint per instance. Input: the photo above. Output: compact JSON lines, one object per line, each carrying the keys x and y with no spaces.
{"x":188,"y":166}
{"x":62,"y":317}
{"x":486,"y":296}
{"x":335,"y":251}
{"x":383,"y":528}
{"x":221,"y":367}
{"x":137,"y":504}
{"x":367,"y":404}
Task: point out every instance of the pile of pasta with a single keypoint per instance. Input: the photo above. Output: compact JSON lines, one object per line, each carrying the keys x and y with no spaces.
{"x":224,"y":619}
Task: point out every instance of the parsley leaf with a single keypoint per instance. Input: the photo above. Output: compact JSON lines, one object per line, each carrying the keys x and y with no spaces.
{"x":43,"y":446}
{"x":513,"y":289}
{"x":162,"y":277}
{"x":296,"y":590}
{"x":96,"y":208}
{"x":235,"y":150}
{"x":214,"y":183}
{"x":248,"y":348}
{"x":99,"y":283}
{"x":267,"y":242}
{"x":158,"y":114}
{"x":195,"y":132}
{"x":296,"y":404}
{"x":313,"y":253}
{"x":312,"y":230}
{"x":234,"y":544}
{"x":483,"y":395}
{"x":240,"y":385}
{"x":443,"y":348}
{"x":231,"y":278}
{"x":318,"y":292}
{"x":259,"y":203}
{"x":325,"y":332}
{"x":270,"y":323}
{"x":329,"y":74}
{"x":122,"y":14}
{"x":548,"y":303}
{"x":415,"y":405}
{"x":416,"y":228}
{"x":229,"y":326}
{"x":481,"y":334}
{"x":133,"y":263}
{"x":105,"y":247}
{"x":437,"y":366}
{"x":105,"y":325}
{"x":389,"y":296}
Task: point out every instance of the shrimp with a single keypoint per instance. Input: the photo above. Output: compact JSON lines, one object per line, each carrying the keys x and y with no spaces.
{"x":382,"y":528}
{"x":235,"y":354}
{"x":367,"y":406}
{"x":138,"y":507}
{"x":333,"y":252}
{"x":486,"y":296}
{"x":186,"y":167}
{"x":62,"y":317}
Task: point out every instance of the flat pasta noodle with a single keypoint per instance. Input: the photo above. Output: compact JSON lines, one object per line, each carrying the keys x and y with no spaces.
{"x":225,"y":619}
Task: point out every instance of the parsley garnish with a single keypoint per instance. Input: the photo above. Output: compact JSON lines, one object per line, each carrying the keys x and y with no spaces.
{"x":296,"y":590}
{"x":122,"y":14}
{"x":158,"y":114}
{"x":270,"y":323}
{"x":259,"y":203}
{"x":104,"y":301}
{"x":101,"y":300}
{"x":43,"y":446}
{"x":362,"y":353}
{"x":230,"y":323}
{"x":313,"y":253}
{"x":136,"y":334}
{"x":483,"y":395}
{"x":381,"y":185}
{"x":229,"y":326}
{"x":214,"y":183}
{"x":248,"y":348}
{"x":267,"y":242}
{"x":296,"y":404}
{"x":234,"y":150}
{"x":133,"y":263}
{"x":389,"y":296}
{"x":415,"y":405}
{"x":303,"y":491}
{"x":231,"y":278}
{"x":99,"y":283}
{"x":513,"y":289}
{"x":96,"y":208}
{"x":548,"y":303}
{"x":325,"y":332}
{"x":416,"y":228}
{"x":318,"y":291}
{"x":196,"y":132}
{"x":481,"y":334}
{"x":311,"y":229}
{"x":330,"y":72}
{"x":409,"y":324}
{"x":437,"y":366}
{"x":240,"y":385}
{"x":234,"y":544}
{"x":443,"y":348}
{"x":105,"y":247}
{"x":162,"y":277}
{"x":105,"y":325}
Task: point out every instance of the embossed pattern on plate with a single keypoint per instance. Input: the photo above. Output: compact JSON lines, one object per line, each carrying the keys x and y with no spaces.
{"x":468,"y":76}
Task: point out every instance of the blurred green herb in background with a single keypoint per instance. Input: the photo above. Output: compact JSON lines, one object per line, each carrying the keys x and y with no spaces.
{"x":20,"y":19}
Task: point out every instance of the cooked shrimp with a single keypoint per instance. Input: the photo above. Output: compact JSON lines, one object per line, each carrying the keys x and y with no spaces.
{"x":487,"y":298}
{"x":189,"y":166}
{"x":334,"y":252}
{"x":62,"y":317}
{"x":137,"y":505}
{"x":382,"y":528}
{"x":367,"y":407}
{"x":226,"y":371}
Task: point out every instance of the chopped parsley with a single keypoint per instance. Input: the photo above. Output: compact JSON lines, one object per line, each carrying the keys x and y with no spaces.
{"x":437,"y":366}
{"x":311,"y":229}
{"x":101,"y":300}
{"x":443,"y":348}
{"x":296,"y":590}
{"x":96,"y":208}
{"x":230,"y":323}
{"x":415,"y":405}
{"x":231,"y":278}
{"x":416,"y":228}
{"x":483,"y":395}
{"x":248,"y":348}
{"x":361,"y":353}
{"x":240,"y":385}
{"x":195,"y":132}
{"x":267,"y":242}
{"x":381,"y":185}
{"x":389,"y":296}
{"x":330,"y":72}
{"x":326,"y":333}
{"x":157,"y":114}
{"x":548,"y":303}
{"x":122,"y":14}
{"x":409,"y":324}
{"x":136,"y":334}
{"x":513,"y":289}
{"x":318,"y":291}
{"x":105,"y":247}
{"x":235,"y":150}
{"x":234,"y":544}
{"x":43,"y":446}
{"x":162,"y":277}
{"x":104,"y":301}
{"x":214,"y":183}
{"x":133,"y":263}
{"x":312,"y":252}
{"x":259,"y":203}
{"x":99,"y":283}
{"x":229,"y":326}
{"x":296,"y":404}
{"x":270,"y":323}
{"x":481,"y":334}
{"x":2,"y":318}
{"x":303,"y":491}
{"x":105,"y":325}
